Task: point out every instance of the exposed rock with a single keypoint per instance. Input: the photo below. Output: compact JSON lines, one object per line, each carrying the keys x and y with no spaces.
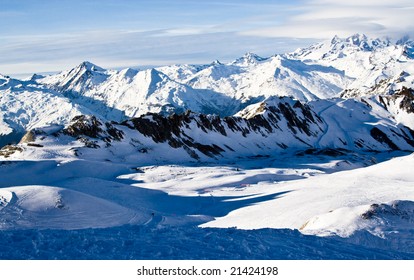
{"x":381,"y":137}
{"x":114,"y":133}
{"x":398,"y":209}
{"x":89,"y":143}
{"x":30,"y":136}
{"x":8,"y":150}
{"x":84,"y":127}
{"x":169,"y":129}
{"x":405,"y":98}
{"x":407,"y":102}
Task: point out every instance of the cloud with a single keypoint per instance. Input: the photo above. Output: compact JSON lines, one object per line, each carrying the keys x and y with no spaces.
{"x":187,"y":31}
{"x":326,"y":18}
{"x":197,"y":32}
{"x":131,"y":48}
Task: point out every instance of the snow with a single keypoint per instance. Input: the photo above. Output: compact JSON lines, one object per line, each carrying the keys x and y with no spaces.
{"x":28,"y":105}
{"x":56,"y":208}
{"x":182,"y":243}
{"x":305,"y":199}
{"x":314,"y":183}
{"x":368,"y":62}
{"x":167,"y":204}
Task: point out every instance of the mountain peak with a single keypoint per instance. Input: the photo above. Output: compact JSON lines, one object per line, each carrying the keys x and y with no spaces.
{"x":216,"y":62}
{"x":90,"y":66}
{"x":248,"y":59}
{"x":405,"y":40}
{"x":359,"y":41}
{"x":128,"y":72}
{"x":35,"y":77}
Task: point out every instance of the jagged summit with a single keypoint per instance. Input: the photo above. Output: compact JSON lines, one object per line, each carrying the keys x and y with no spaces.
{"x":405,"y":40}
{"x":364,"y":43}
{"x":361,"y":40}
{"x":248,"y":58}
{"x":86,"y":65}
{"x":128,"y":72}
{"x":35,"y":77}
{"x":216,"y":62}
{"x":341,"y":47}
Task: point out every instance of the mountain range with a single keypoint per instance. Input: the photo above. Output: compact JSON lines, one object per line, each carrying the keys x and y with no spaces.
{"x":350,"y":93}
{"x":248,"y":157}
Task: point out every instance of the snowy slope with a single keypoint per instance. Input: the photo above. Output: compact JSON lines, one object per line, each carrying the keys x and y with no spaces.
{"x":165,"y":203}
{"x":332,"y":203}
{"x":25,"y":105}
{"x":51,"y":207}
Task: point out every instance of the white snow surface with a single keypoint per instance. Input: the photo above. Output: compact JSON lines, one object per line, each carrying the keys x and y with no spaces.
{"x":304,"y":200}
{"x":318,"y":195}
{"x":52,"y":207}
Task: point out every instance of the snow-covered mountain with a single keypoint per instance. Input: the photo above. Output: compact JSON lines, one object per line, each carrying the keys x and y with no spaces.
{"x":375,"y":66}
{"x":273,"y":126}
{"x":25,"y":105}
{"x":303,"y":141}
{"x":349,"y":67}
{"x":128,"y":93}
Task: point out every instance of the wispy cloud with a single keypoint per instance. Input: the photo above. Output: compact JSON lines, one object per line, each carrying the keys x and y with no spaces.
{"x":325,"y":18}
{"x":135,"y":48}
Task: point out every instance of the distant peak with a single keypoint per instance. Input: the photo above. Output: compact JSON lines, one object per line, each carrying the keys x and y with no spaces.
{"x":156,"y":75}
{"x":35,"y":77}
{"x":359,"y":41}
{"x":4,"y":76}
{"x":252,"y":56}
{"x":335,"y":40}
{"x":405,"y":40}
{"x":249,"y":58}
{"x":128,"y":72}
{"x":216,"y":62}
{"x":90,"y":66}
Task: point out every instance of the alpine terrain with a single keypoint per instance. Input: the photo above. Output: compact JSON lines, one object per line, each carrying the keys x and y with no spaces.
{"x":303,"y":155}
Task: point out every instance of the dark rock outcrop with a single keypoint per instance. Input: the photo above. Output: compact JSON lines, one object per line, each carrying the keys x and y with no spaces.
{"x":8,"y":150}
{"x":381,"y":137}
{"x":84,"y":127}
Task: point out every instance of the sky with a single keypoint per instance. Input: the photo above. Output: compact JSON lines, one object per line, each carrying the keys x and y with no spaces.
{"x":38,"y":36}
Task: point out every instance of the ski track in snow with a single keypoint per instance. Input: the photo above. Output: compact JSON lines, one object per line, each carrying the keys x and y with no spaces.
{"x":321,"y":113}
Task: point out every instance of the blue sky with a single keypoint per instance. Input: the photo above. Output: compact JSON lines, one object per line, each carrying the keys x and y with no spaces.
{"x":51,"y":35}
